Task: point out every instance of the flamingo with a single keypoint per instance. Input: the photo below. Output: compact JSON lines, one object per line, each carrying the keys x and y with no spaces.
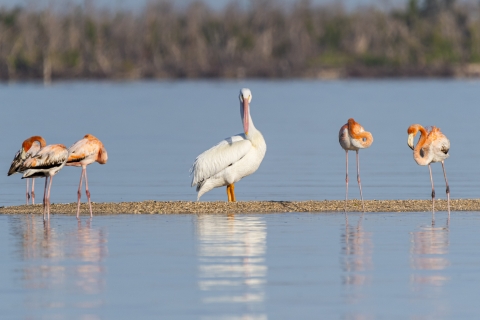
{"x":433,"y":146}
{"x":29,"y":148}
{"x":352,"y":136}
{"x":233,"y":158}
{"x":81,"y":154}
{"x":45,"y":163}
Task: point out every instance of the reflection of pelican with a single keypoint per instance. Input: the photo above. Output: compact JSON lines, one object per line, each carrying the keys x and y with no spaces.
{"x":428,"y":249}
{"x":356,"y":256}
{"x":232,"y":259}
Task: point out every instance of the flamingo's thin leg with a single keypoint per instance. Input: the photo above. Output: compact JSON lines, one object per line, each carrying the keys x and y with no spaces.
{"x":433,"y":192}
{"x":359,"y":182}
{"x":27,"y":195}
{"x":88,"y":193}
{"x":45,"y":197}
{"x":48,"y":199}
{"x":448,"y":187}
{"x":79,"y":192}
{"x":33,"y":191}
{"x":346,"y":181}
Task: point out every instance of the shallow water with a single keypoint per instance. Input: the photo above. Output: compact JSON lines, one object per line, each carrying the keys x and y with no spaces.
{"x":154,"y":130}
{"x":277,"y":266}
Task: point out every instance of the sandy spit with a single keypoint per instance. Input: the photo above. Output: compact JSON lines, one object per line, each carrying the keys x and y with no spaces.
{"x":175,"y":207}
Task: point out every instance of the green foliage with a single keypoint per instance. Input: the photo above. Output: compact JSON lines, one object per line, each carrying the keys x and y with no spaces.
{"x":90,"y":31}
{"x":440,"y":49}
{"x":246,"y":41}
{"x":9,"y":18}
{"x":333,"y":59}
{"x":71,"y":58}
{"x":371,"y":60}
{"x":334,"y":33}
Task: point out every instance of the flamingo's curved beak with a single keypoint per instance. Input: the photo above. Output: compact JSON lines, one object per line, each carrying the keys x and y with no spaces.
{"x":246,"y":114}
{"x":410,"y":140}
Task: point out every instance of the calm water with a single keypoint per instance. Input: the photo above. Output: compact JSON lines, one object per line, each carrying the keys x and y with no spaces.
{"x":277,"y":266}
{"x":154,"y":130}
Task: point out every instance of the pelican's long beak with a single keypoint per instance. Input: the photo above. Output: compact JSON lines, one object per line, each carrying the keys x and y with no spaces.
{"x":246,"y":117}
{"x":410,"y":140}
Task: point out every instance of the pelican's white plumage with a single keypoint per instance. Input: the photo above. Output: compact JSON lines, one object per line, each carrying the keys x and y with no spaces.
{"x":231,"y":159}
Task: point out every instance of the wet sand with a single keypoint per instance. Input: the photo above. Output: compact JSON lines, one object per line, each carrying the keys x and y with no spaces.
{"x":176,"y":207}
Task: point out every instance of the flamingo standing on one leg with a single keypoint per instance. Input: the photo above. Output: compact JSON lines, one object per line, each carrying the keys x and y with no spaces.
{"x":29,"y":148}
{"x":432,"y":146}
{"x":231,"y":159}
{"x":81,"y":154}
{"x":352,"y":136}
{"x":45,"y":163}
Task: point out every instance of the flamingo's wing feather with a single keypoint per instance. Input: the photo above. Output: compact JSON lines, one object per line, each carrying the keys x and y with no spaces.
{"x":81,"y":150}
{"x":51,"y":156}
{"x":220,"y":156}
{"x":16,"y":163}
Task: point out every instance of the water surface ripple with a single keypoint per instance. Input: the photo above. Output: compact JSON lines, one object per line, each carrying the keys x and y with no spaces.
{"x":243,"y":266}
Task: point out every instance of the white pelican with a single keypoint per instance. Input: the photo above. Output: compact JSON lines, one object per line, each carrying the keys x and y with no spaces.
{"x":233,"y":158}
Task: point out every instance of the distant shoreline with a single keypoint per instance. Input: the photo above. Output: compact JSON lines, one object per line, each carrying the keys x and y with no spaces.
{"x":220,"y":207}
{"x":263,"y":40}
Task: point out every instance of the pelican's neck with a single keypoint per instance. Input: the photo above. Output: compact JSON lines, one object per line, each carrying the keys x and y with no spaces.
{"x":424,"y":159}
{"x":251,"y":127}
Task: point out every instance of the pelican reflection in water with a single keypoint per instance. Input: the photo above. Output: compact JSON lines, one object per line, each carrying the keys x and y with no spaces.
{"x":232,"y":266}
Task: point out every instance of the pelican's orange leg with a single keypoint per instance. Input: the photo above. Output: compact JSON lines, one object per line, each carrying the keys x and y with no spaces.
{"x":232,"y":190}
{"x":228,"y":193}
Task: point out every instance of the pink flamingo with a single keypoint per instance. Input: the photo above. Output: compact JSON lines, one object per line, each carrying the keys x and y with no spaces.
{"x":29,"y":148}
{"x":45,"y":163}
{"x":352,"y":136}
{"x":81,"y":154}
{"x":432,"y":146}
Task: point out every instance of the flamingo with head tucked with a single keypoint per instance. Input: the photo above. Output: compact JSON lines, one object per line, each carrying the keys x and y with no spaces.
{"x":82,"y":153}
{"x":353,"y":137}
{"x":233,"y":158}
{"x":45,"y":163}
{"x":433,"y":146}
{"x":29,"y":148}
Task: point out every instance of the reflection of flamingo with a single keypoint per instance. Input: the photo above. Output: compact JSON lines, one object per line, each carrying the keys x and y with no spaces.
{"x":81,"y":154}
{"x":357,"y":252}
{"x":433,"y":146}
{"x":429,"y":249}
{"x":45,"y":163}
{"x":352,"y":136}
{"x":29,"y":148}
{"x":233,"y":158}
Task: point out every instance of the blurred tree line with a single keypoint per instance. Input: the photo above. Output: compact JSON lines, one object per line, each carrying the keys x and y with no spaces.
{"x":425,"y":38}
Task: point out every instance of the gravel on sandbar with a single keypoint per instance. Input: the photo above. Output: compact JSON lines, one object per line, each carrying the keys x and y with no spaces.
{"x":176,"y":207}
